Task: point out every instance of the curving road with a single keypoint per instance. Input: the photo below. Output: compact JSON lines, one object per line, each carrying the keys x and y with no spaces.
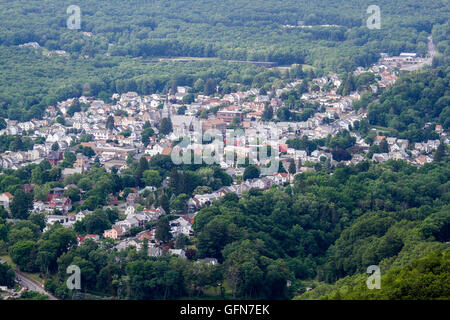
{"x":32,"y":285}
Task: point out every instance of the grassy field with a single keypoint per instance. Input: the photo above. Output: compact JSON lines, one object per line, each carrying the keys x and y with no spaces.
{"x":9,"y":261}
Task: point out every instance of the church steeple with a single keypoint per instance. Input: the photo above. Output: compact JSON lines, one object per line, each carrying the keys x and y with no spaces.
{"x":165,"y":112}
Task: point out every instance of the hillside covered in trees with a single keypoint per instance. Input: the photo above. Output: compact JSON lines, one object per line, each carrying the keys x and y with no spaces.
{"x":119,"y":42}
{"x":314,"y":233}
{"x":406,"y":108}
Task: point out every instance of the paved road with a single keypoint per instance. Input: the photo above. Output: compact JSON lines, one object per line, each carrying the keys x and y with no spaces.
{"x":426,"y":61}
{"x":431,"y":49}
{"x":32,"y":285}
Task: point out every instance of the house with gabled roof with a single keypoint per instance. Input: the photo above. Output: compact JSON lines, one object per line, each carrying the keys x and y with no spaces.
{"x":6,"y":199}
{"x":114,"y":233}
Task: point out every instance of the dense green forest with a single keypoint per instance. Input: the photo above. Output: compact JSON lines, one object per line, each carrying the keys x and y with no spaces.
{"x":415,"y":100}
{"x":126,"y":36}
{"x":39,"y":81}
{"x":229,"y":29}
{"x":321,"y":229}
{"x":400,"y":282}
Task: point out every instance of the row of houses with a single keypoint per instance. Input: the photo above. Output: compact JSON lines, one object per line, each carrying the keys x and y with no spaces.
{"x":133,"y":219}
{"x":263,"y":183}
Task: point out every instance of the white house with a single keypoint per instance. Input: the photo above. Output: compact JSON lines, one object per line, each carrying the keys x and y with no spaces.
{"x":178,"y":252}
{"x":6,"y":199}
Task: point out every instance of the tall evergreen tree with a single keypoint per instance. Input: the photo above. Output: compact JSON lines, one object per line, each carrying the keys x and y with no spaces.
{"x":110,"y":123}
{"x":142,"y":166}
{"x":439,"y":153}
{"x":55,"y":146}
{"x":163,"y":201}
{"x":166,"y":126}
{"x":210,"y":87}
{"x":292,"y":168}
{"x":174,"y":180}
{"x":268,"y":112}
{"x":162,"y":232}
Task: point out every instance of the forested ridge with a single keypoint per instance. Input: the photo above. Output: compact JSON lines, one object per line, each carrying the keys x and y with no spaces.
{"x":410,"y":108}
{"x":400,"y":282}
{"x":134,"y":32}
